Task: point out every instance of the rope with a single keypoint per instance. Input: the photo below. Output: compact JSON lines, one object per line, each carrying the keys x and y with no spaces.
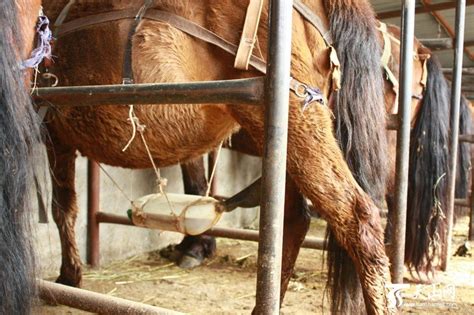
{"x":211,"y":178}
{"x":115,"y":183}
{"x":132,"y":118}
{"x":137,"y":126}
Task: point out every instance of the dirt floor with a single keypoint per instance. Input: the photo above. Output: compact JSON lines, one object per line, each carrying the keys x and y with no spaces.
{"x":226,"y":283}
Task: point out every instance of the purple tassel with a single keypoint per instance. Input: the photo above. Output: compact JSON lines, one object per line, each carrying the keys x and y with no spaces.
{"x":43,"y":49}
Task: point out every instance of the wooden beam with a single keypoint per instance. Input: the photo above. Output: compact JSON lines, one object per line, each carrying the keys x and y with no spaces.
{"x":423,"y":9}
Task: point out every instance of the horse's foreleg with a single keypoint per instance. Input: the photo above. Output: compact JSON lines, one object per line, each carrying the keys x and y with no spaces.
{"x":62,"y":161}
{"x":194,"y":249}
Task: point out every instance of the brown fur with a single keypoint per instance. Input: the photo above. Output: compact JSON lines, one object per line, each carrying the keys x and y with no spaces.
{"x":178,"y":133}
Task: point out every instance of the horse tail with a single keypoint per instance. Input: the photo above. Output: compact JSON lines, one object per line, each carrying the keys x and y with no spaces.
{"x":359,"y":127}
{"x":464,"y":153}
{"x":19,"y":132}
{"x":428,"y":171}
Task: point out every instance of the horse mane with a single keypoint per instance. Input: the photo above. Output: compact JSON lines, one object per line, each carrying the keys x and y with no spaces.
{"x":360,"y":129}
{"x":20,"y":132}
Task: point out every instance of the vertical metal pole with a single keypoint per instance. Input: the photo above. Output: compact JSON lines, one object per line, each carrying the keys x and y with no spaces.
{"x":403,"y":140}
{"x":454,"y":125}
{"x":274,"y":159}
{"x":93,"y":207}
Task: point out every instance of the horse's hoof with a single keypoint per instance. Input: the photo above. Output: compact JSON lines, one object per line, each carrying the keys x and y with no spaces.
{"x":171,"y":253}
{"x":71,"y":282}
{"x":188,"y":262}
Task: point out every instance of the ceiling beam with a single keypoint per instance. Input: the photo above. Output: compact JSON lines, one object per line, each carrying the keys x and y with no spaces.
{"x":445,"y":24}
{"x":465,"y":71}
{"x":422,"y":9}
{"x":442,"y":43}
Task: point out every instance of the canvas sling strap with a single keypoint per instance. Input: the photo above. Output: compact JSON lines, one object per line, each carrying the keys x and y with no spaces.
{"x":249,"y":34}
{"x":387,"y":54}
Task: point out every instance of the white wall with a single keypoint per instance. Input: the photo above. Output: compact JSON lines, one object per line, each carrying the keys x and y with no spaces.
{"x":234,"y":172}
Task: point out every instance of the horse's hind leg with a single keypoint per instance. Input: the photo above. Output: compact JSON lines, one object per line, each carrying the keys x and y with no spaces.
{"x":296,"y":226}
{"x":194,"y":249}
{"x":62,"y":161}
{"x":318,"y":168}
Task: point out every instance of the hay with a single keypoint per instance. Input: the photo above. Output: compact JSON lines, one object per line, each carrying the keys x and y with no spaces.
{"x":140,"y":268}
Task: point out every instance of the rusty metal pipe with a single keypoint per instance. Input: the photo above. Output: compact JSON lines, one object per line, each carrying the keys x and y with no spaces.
{"x":274,"y":158}
{"x":454,"y":126}
{"x":93,"y":207}
{"x":238,"y":234}
{"x":403,"y":140}
{"x":242,"y":91}
{"x":94,"y":302}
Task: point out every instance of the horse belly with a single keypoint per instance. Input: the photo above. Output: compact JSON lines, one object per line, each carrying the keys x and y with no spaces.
{"x":173,"y":133}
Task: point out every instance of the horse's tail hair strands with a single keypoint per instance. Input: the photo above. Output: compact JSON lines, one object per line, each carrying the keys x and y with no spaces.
{"x":428,"y":172}
{"x":360,"y":129}
{"x":19,"y":133}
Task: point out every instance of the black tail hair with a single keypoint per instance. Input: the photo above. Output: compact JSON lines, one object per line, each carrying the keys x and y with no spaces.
{"x":19,"y":133}
{"x":360,"y":130}
{"x":463,"y":169}
{"x":428,"y":171}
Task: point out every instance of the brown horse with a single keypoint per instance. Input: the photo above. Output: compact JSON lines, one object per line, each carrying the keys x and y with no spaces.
{"x":428,"y":155}
{"x":161,"y":53}
{"x":19,"y":135}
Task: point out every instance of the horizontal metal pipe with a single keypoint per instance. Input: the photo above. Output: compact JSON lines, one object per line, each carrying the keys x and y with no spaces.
{"x":464,"y":71}
{"x":94,"y":302}
{"x":242,"y":91}
{"x":238,"y":234}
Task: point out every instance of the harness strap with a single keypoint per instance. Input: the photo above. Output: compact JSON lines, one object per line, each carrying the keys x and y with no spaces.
{"x":316,"y":21}
{"x":178,"y":22}
{"x":62,"y":16}
{"x":249,"y":34}
{"x":127,"y":72}
{"x":174,"y":20}
{"x":87,"y":21}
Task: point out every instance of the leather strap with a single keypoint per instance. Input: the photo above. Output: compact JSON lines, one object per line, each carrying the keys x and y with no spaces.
{"x":127,"y":72}
{"x":62,"y":17}
{"x":203,"y":34}
{"x":314,"y":19}
{"x":249,"y":34}
{"x":189,"y":28}
{"x":91,"y":20}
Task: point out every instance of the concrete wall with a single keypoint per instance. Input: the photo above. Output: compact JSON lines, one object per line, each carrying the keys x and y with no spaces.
{"x":234,"y":172}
